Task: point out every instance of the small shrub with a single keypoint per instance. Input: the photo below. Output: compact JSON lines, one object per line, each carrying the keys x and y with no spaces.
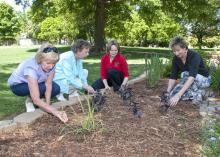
{"x":153,"y":68}
{"x":215,"y":74}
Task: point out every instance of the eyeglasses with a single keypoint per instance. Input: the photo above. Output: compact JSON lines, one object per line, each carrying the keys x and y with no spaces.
{"x":50,"y":49}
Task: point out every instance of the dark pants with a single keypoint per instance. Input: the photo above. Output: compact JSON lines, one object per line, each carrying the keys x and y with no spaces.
{"x":22,"y":89}
{"x":115,"y":79}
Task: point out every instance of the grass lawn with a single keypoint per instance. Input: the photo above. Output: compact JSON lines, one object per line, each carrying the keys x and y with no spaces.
{"x":12,"y":56}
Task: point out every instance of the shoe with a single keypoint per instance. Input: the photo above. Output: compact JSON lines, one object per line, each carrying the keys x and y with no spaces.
{"x":60,"y":97}
{"x":74,"y":94}
{"x":29,"y":105}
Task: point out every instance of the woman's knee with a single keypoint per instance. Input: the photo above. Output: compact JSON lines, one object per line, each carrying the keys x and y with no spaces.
{"x":55,"y":89}
{"x":20,"y":90}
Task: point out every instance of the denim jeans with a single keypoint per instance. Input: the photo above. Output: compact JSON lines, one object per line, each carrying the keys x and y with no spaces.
{"x":22,"y":89}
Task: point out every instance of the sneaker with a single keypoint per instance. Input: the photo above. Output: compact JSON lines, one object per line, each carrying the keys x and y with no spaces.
{"x":29,"y":105}
{"x":60,"y":97}
{"x":74,"y":94}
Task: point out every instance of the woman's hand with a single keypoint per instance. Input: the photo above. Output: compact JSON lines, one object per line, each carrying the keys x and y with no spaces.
{"x":107,"y":87}
{"x":89,"y":89}
{"x":61,"y":115}
{"x":174,"y":100}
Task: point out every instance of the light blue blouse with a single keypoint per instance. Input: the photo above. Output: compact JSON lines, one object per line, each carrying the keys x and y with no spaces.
{"x":69,"y":71}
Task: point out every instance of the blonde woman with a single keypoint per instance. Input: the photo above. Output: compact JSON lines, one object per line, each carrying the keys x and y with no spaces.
{"x":33,"y":78}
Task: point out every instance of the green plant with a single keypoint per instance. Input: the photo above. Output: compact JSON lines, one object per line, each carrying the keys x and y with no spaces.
{"x":89,"y":122}
{"x":153,"y":66}
{"x":215,"y":75}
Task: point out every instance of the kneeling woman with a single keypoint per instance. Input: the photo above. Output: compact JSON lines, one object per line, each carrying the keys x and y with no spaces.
{"x":114,"y":69}
{"x":33,"y":78}
{"x":194,"y":75}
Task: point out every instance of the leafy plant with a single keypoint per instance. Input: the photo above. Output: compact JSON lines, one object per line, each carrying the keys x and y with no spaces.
{"x":153,"y":68}
{"x":88,"y":123}
{"x":215,"y":74}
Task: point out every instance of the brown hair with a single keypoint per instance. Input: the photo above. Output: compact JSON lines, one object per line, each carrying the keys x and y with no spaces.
{"x":113,"y":42}
{"x":178,"y":41}
{"x":79,"y":45}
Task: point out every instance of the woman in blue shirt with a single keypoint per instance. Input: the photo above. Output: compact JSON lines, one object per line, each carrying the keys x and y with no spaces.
{"x":69,"y":72}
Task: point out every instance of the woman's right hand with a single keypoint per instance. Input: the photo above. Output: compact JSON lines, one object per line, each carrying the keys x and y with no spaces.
{"x":61,"y":115}
{"x":107,"y":87}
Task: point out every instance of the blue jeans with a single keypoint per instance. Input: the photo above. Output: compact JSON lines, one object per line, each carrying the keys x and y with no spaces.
{"x":22,"y":89}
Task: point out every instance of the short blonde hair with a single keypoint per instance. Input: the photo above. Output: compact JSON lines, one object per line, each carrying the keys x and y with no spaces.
{"x":50,"y":54}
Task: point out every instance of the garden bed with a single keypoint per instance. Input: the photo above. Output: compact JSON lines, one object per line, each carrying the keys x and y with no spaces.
{"x":175,"y":134}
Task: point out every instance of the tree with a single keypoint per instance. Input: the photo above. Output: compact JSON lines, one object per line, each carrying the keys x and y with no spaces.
{"x":94,"y":16}
{"x":23,"y":3}
{"x":135,"y":31}
{"x":54,"y":29}
{"x":9,"y":24}
{"x":200,"y":18}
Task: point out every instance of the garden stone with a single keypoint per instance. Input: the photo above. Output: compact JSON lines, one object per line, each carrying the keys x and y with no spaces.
{"x":29,"y":117}
{"x":7,"y":125}
{"x":203,"y":109}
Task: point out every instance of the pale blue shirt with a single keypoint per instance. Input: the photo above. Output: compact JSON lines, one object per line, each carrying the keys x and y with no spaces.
{"x":31,"y":68}
{"x":69,"y":71}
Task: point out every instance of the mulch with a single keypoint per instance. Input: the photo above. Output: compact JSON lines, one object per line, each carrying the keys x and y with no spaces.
{"x":175,"y":134}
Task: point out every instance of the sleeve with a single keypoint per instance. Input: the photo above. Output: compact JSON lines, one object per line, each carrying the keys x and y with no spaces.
{"x":124,"y":67}
{"x":174,"y":70}
{"x":70,"y":75}
{"x":194,"y":65}
{"x":29,"y":71}
{"x":82,"y":74}
{"x":103,"y":69}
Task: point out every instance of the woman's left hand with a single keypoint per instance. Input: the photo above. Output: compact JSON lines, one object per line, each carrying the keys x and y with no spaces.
{"x":174,"y":100}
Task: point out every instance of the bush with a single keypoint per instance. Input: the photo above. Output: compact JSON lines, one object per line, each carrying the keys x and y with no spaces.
{"x":215,"y":74}
{"x":153,"y":68}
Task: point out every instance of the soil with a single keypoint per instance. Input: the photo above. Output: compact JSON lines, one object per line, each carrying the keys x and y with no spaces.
{"x":175,"y":134}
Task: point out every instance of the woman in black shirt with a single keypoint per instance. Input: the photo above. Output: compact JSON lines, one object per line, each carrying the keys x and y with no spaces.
{"x":194,"y":75}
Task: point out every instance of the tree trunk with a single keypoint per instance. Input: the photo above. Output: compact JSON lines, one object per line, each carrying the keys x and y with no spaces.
{"x":199,"y":37}
{"x":99,"y":26}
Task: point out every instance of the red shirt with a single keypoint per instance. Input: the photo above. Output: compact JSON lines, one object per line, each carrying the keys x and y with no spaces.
{"x":118,"y":63}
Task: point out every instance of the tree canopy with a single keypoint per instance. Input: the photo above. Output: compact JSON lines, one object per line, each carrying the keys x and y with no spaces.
{"x":132,"y":22}
{"x":9,"y":24}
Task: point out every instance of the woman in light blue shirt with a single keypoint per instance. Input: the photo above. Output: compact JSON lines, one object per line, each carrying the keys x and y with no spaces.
{"x":69,"y":72}
{"x":33,"y":78}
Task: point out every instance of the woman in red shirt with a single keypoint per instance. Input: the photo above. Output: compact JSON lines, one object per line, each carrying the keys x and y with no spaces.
{"x":113,"y":69}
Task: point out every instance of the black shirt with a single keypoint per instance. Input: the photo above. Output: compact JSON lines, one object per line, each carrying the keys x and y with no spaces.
{"x":194,"y":65}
